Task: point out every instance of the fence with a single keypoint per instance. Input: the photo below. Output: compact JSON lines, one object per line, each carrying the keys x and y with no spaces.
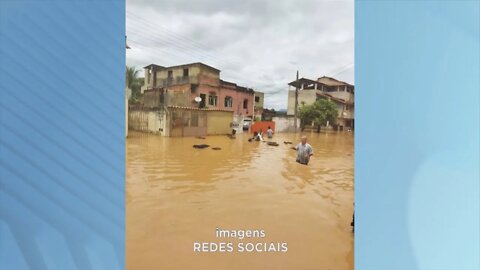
{"x":146,"y":120}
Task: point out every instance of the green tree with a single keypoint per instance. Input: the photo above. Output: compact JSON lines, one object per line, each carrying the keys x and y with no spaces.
{"x":318,"y":113}
{"x":134,"y":83}
{"x":131,"y":75}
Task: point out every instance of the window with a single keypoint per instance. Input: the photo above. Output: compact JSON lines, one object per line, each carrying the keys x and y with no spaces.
{"x":193,"y":88}
{"x":245,"y":103}
{"x":170,"y":74}
{"x":257,"y":99}
{"x":228,"y":102}
{"x":185,"y":72}
{"x":212,"y":100}
{"x":347,"y":107}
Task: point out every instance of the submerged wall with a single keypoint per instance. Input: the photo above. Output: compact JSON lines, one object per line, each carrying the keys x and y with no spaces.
{"x":147,"y":121}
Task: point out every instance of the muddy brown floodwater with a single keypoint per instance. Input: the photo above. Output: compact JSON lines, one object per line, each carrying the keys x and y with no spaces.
{"x":177,"y":195}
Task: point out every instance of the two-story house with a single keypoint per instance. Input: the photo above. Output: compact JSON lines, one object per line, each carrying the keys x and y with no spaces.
{"x":340,"y":92}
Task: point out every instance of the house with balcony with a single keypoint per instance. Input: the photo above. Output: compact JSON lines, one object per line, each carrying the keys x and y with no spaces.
{"x":342,"y":93}
{"x":185,"y":96}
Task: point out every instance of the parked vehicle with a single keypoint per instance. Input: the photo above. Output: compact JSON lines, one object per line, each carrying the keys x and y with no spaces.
{"x":247,"y":123}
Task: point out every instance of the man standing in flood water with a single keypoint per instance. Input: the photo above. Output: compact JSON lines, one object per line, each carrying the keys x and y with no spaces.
{"x":304,"y":151}
{"x":270,"y":132}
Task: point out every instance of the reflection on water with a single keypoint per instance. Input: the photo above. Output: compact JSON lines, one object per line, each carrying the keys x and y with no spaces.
{"x":177,"y":195}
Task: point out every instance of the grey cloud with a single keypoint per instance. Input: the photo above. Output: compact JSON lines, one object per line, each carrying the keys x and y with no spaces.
{"x":259,"y":44}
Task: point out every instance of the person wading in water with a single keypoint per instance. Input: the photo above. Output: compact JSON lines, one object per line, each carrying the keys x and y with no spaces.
{"x":270,"y":132}
{"x":304,"y":151}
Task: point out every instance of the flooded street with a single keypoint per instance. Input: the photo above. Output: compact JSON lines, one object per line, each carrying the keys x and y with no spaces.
{"x":177,"y":195}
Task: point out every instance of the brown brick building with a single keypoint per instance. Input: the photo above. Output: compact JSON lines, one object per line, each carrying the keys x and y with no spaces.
{"x":196,"y":85}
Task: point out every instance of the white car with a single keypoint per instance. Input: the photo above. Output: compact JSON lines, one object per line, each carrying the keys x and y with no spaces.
{"x":246,"y":124}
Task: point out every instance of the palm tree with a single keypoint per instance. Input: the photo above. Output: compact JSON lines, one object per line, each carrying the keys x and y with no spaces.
{"x":133,"y":82}
{"x":131,"y":75}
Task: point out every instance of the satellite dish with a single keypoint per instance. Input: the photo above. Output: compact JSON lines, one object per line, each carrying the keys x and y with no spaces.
{"x":198,"y":99}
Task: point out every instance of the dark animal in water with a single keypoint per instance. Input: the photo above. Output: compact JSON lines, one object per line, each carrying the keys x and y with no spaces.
{"x":287,"y":142}
{"x":200,"y":146}
{"x":200,"y":137}
{"x":272,"y":143}
{"x":216,"y":148}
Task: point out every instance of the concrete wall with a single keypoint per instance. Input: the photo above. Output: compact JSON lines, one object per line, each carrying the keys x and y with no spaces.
{"x":307,"y":96}
{"x":219,"y":122}
{"x":156,"y":121}
{"x":147,"y":83}
{"x":196,"y":74}
{"x":342,"y":95}
{"x":258,"y":109}
{"x":179,"y":95}
{"x":285,"y":124}
{"x":193,"y":71}
{"x":147,"y":121}
{"x":262,"y":125}
{"x":349,"y":114}
{"x":260,"y":102}
{"x":209,"y":77}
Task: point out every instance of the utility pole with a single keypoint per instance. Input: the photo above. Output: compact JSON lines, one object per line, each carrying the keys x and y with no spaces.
{"x":296,"y":104}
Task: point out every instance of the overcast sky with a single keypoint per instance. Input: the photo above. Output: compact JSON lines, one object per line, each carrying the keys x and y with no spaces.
{"x":258,"y":44}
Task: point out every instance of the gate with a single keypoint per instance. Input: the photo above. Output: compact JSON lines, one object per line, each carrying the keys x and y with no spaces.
{"x":187,"y":122}
{"x":138,"y":120}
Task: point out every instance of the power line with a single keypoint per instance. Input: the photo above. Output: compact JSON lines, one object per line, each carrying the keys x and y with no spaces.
{"x":340,"y":70}
{"x":143,"y":34}
{"x":191,"y":44}
{"x":191,"y":52}
{"x":338,"y":73}
{"x":157,"y":27}
{"x":154,"y":55}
